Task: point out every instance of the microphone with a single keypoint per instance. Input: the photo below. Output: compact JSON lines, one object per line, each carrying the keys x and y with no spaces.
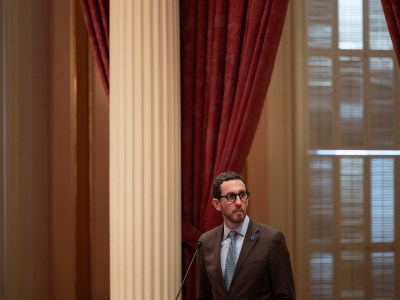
{"x":198,"y":246}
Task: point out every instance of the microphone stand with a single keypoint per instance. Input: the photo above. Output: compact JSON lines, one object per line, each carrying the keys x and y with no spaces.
{"x":198,"y":246}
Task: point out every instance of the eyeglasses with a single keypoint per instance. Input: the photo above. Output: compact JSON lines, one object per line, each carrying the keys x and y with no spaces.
{"x":231,"y":197}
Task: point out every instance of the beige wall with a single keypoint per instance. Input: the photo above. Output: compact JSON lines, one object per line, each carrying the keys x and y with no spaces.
{"x":40,"y":244}
{"x":100,"y":232}
{"x":80,"y":233}
{"x":25,"y":147}
{"x":62,"y":215}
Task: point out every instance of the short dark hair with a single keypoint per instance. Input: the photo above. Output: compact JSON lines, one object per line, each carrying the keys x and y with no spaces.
{"x":225,"y":176}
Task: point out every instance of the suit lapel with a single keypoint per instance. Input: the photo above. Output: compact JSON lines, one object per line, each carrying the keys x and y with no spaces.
{"x":250,"y":240}
{"x":217,"y":251}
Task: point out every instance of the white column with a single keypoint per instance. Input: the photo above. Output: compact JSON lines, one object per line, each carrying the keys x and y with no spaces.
{"x":144,"y":149}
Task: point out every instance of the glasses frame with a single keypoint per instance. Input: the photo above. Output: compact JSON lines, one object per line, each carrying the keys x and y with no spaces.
{"x":247,"y":194}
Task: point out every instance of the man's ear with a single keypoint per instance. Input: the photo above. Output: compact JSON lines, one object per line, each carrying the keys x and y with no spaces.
{"x":216,"y":204}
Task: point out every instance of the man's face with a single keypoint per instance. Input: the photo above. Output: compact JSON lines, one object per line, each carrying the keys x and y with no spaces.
{"x":233,"y":212}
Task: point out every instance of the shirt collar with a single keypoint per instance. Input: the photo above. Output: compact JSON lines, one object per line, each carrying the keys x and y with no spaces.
{"x":241,"y":229}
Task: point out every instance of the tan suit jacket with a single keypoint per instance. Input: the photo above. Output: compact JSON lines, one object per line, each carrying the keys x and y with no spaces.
{"x":263,"y":269}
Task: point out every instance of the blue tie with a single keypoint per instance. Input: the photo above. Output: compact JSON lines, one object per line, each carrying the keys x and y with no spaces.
{"x":230,"y":260}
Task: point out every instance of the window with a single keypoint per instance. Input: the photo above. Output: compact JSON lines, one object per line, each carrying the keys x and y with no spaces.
{"x":353,"y":118}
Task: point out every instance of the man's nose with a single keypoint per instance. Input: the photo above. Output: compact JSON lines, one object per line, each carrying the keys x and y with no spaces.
{"x":237,"y":199}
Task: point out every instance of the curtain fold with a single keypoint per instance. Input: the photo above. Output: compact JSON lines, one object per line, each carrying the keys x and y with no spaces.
{"x":391,"y":8}
{"x":96,"y":14}
{"x":228,"y":50}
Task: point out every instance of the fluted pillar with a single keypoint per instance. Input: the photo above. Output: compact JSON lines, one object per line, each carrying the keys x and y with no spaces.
{"x":144,"y":149}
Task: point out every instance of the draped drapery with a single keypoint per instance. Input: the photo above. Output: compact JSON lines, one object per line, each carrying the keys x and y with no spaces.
{"x":228,"y":50}
{"x":96,"y":14}
{"x":391,"y":8}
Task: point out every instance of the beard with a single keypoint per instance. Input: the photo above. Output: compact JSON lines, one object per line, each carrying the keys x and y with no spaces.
{"x":236,"y":216}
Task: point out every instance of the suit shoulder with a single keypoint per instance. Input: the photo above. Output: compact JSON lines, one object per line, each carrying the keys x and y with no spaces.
{"x":267,"y":229}
{"x":263,"y":227}
{"x":211,"y":233}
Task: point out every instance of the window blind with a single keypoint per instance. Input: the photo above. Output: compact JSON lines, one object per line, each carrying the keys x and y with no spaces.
{"x":353,"y":111}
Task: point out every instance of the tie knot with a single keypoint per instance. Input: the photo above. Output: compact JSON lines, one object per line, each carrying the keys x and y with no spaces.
{"x":232,"y":234}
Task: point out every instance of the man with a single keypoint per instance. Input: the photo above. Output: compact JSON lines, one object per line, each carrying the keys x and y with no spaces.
{"x":250,"y":263}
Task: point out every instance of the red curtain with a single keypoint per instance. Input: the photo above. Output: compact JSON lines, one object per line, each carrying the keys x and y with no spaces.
{"x":228,"y":49}
{"x":391,"y":8}
{"x":96,"y":14}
